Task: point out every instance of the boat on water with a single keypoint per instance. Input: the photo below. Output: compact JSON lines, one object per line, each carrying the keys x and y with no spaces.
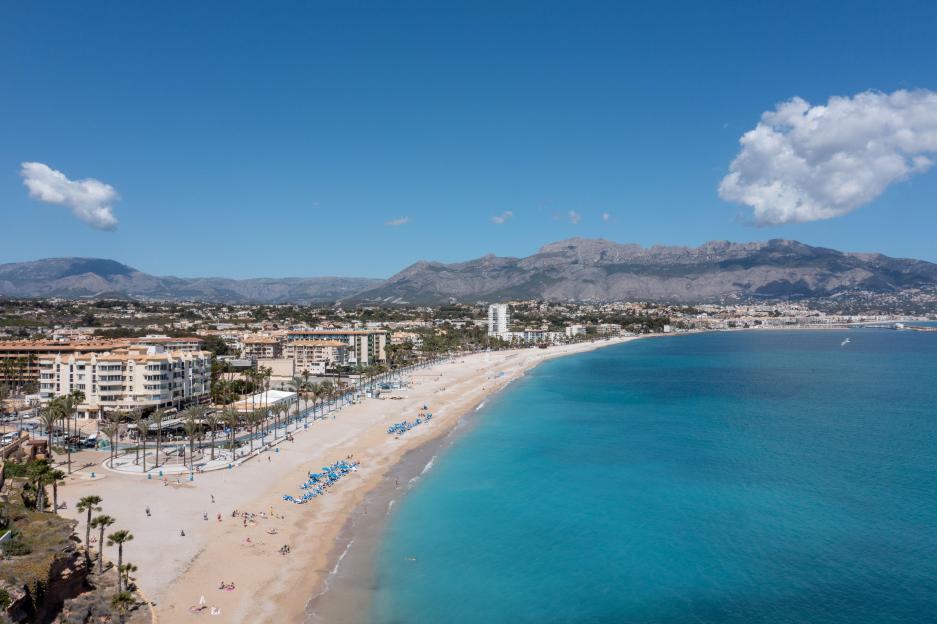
{"x":844,"y":343}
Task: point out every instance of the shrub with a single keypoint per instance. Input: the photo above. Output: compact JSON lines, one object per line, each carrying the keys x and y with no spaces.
{"x":15,"y":546}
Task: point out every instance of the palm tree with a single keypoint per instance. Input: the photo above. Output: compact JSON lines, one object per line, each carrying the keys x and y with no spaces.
{"x":48,"y":416}
{"x":136,"y":418}
{"x":143,"y":428}
{"x":114,"y":419}
{"x":120,"y":538}
{"x":122,"y":602}
{"x":101,"y":522}
{"x":231,"y":419}
{"x":72,"y":402}
{"x":253,"y":417}
{"x":110,"y":430}
{"x":190,"y":426}
{"x":126,"y":570}
{"x":158,"y":417}
{"x":211,"y":422}
{"x":39,"y":475}
{"x":54,"y":476}
{"x":89,"y":504}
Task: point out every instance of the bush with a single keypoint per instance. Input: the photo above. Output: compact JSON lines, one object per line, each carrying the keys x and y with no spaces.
{"x":5,"y":599}
{"x":14,"y":470}
{"x":15,"y":546}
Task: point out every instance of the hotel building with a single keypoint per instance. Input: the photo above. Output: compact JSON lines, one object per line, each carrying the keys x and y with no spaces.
{"x":19,"y":359}
{"x":127,"y":378}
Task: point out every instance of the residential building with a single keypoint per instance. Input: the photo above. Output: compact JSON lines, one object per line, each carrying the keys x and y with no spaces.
{"x":262,"y":347}
{"x":19,"y":359}
{"x":171,"y":343}
{"x":405,"y":337}
{"x":127,"y":378}
{"x":499,"y":319}
{"x":364,"y":347}
{"x":316,"y":355}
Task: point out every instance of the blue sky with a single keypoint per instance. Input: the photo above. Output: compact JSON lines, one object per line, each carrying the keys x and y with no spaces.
{"x":281,"y":138}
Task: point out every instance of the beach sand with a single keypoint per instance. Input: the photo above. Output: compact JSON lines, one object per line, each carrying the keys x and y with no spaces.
{"x":176,"y":572}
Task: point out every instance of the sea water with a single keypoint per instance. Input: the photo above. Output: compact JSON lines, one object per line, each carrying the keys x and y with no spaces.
{"x":738,"y":477}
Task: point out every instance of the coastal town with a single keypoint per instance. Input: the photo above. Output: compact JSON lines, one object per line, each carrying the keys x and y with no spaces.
{"x":98,"y":394}
{"x":129,"y":356}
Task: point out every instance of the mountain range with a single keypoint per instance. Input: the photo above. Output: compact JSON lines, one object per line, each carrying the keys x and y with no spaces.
{"x":574,"y":269}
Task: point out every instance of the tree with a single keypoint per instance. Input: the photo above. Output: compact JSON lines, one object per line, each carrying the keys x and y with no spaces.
{"x":101,"y":522}
{"x":89,"y":504}
{"x":122,"y":602}
{"x":72,"y":401}
{"x":253,"y":417}
{"x":48,"y":416}
{"x":158,"y":417}
{"x":119,"y":538}
{"x":126,"y":570}
{"x":54,"y":477}
{"x":211,"y":422}
{"x":136,"y":417}
{"x":39,"y":475}
{"x":143,"y":428}
{"x":191,"y":426}
{"x":110,"y":431}
{"x":231,"y":419}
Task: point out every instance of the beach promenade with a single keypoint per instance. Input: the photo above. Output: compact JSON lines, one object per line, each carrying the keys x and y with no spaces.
{"x":180,"y":571}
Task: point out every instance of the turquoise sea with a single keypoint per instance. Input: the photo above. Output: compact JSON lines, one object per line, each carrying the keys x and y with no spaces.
{"x":733,"y":478}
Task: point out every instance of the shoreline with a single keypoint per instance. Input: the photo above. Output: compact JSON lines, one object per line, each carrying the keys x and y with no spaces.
{"x":179,"y":571}
{"x":359,"y":537}
{"x":345,"y":594}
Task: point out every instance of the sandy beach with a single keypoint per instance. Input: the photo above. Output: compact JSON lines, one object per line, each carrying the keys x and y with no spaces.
{"x":179,"y":571}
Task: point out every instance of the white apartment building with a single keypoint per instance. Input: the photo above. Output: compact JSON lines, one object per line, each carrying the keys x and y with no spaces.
{"x":365,"y":347}
{"x":575,"y":330}
{"x":128,"y":378}
{"x":499,"y":319}
{"x":315,"y":355}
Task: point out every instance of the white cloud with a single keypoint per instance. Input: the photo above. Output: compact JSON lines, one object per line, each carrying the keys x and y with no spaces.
{"x":606,"y":217}
{"x":398,"y":221}
{"x":501,"y":218}
{"x":805,"y":163}
{"x":90,"y":199}
{"x":574,"y":217}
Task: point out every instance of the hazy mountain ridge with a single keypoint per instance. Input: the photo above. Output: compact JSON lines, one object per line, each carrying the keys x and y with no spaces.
{"x":596,"y":269}
{"x":94,"y":277}
{"x":577,"y":269}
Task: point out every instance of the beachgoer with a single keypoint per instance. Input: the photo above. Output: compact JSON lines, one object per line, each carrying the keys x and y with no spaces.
{"x":182,"y":533}
{"x":213,"y":498}
{"x":148,"y":511}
